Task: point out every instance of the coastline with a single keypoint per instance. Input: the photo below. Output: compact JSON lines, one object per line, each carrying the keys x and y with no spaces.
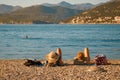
{"x":14,"y":69}
{"x":54,"y":23}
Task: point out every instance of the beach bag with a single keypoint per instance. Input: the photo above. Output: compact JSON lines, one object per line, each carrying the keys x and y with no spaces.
{"x":32,"y":63}
{"x":101,"y":59}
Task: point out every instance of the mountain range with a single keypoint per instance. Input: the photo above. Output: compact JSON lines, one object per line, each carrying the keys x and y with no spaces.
{"x":38,"y":14}
{"x":44,"y":13}
{"x":62,"y":12}
{"x":8,"y":8}
{"x":83,"y":6}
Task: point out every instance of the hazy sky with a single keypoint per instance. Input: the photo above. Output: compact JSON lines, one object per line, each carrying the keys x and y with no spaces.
{"x":25,"y":3}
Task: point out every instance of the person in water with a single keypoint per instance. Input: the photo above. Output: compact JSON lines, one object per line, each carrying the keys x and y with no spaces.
{"x":26,"y":36}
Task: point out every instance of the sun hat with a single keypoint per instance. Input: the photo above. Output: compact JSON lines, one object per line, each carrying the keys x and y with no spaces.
{"x":52,"y":57}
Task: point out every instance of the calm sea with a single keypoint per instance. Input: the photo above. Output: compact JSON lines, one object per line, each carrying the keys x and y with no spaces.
{"x":43,"y":38}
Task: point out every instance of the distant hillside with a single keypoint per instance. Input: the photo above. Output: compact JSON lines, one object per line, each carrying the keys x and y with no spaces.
{"x":8,"y":8}
{"x":105,"y":13}
{"x":39,"y":14}
{"x":84,"y":6}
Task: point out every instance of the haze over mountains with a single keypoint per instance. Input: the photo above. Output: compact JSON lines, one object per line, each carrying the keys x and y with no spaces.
{"x":83,"y":6}
{"x":8,"y":8}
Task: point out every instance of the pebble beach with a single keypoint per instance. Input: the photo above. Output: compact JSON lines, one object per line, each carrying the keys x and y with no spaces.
{"x":16,"y":70}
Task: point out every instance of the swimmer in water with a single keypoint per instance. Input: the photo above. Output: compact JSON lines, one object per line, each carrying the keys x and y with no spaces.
{"x":26,"y":36}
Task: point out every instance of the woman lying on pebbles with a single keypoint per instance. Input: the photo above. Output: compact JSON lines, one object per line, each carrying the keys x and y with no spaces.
{"x":69,"y":70}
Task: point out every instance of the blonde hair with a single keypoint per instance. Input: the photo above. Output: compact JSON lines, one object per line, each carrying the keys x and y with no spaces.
{"x":80,"y":55}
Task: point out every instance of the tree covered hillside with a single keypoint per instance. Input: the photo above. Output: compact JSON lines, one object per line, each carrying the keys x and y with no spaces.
{"x":105,"y":13}
{"x":38,"y":14}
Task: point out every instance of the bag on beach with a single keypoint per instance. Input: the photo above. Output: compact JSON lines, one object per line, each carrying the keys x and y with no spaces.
{"x":32,"y":63}
{"x":101,"y":59}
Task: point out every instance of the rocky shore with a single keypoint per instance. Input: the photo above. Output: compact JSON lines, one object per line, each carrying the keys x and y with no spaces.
{"x":16,"y":70}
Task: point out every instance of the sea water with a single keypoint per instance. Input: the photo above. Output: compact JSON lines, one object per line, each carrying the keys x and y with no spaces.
{"x":36,"y":40}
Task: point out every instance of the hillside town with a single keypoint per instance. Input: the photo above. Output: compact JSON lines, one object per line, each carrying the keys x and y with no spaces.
{"x":90,"y":20}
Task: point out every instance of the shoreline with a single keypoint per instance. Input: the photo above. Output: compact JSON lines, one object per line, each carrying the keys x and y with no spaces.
{"x":14,"y":69}
{"x":61,"y":23}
